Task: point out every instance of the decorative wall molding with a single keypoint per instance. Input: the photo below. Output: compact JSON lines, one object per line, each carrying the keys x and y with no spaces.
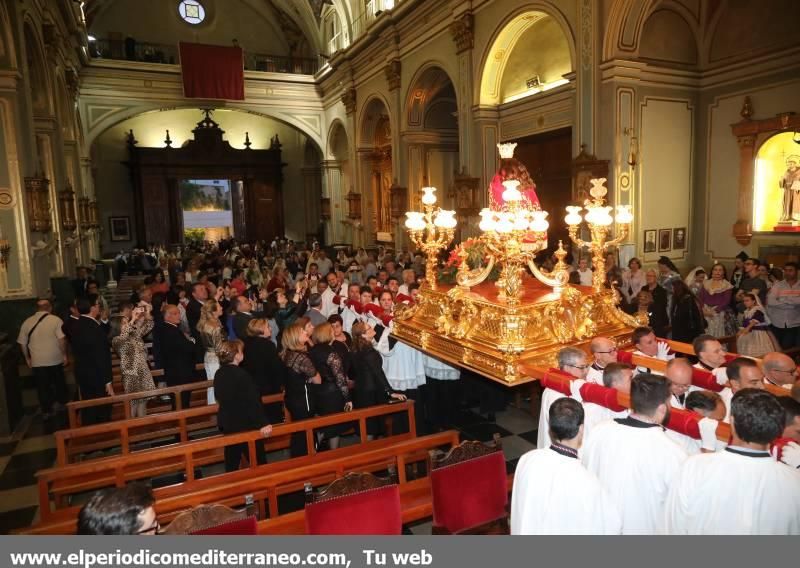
{"x":463,"y":32}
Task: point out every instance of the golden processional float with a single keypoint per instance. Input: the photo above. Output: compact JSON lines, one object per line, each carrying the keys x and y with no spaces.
{"x":527,"y":314}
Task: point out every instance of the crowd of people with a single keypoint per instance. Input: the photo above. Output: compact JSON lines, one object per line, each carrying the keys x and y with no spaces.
{"x":757,"y":303}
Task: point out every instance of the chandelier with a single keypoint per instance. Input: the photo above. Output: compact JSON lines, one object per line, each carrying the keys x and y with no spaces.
{"x":431,"y":231}
{"x":598,"y":217}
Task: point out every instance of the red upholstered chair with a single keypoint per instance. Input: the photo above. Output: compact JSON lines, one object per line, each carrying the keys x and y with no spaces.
{"x":213,"y":520}
{"x":469,"y":489}
{"x":358,"y":503}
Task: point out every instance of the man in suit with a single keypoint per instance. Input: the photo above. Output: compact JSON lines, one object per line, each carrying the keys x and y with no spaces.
{"x":178,"y":353}
{"x":314,"y":314}
{"x":81,"y":283}
{"x":242,"y":317}
{"x":199,"y":296}
{"x":92,"y":351}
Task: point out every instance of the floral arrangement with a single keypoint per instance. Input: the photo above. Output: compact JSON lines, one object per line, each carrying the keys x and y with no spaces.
{"x":476,"y":257}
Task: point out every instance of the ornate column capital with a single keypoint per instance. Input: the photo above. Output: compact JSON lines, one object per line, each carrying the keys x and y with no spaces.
{"x":463,"y":31}
{"x":392,"y":72}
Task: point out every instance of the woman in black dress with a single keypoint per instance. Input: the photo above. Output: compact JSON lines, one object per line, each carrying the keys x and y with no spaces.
{"x":343,"y":345}
{"x":300,"y":375}
{"x":659,"y":320}
{"x":240,"y":408}
{"x":261,"y":360}
{"x":333,"y":394}
{"x":687,"y":318}
{"x":371,"y":385}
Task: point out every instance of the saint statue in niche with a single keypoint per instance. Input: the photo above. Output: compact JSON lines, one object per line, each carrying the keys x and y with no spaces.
{"x":790,"y":183}
{"x":511,"y":168}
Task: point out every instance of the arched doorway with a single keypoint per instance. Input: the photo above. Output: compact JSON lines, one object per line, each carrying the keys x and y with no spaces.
{"x":375,"y":155}
{"x":338,"y":183}
{"x":241,"y":130}
{"x":431,"y":133}
{"x":531,"y":56}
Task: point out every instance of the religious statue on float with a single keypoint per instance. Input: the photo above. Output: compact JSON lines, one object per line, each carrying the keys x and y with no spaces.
{"x":512,"y":169}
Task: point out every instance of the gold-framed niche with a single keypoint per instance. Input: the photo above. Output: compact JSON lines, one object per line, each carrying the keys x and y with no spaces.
{"x":767,"y":148}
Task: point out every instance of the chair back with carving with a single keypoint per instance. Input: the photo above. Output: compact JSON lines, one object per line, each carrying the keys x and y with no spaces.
{"x":469,"y":488}
{"x":213,"y":520}
{"x":358,"y":503}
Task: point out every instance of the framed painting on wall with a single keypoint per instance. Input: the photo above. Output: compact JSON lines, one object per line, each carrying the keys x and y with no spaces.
{"x":120,"y":228}
{"x":679,"y":238}
{"x":664,"y":240}
{"x":650,"y":241}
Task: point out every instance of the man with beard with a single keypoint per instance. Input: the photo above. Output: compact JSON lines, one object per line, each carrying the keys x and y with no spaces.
{"x":790,"y":183}
{"x":634,"y":458}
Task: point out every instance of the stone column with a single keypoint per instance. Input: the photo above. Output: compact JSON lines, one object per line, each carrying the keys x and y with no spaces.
{"x":462,"y":30}
{"x":333,"y":190}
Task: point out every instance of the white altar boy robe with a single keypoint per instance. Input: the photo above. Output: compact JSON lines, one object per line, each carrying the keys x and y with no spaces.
{"x":549,"y":396}
{"x":555,"y":494}
{"x":728,"y":492}
{"x":636,"y":463}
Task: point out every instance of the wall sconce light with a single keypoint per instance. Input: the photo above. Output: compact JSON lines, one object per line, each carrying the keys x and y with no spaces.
{"x":633,"y":148}
{"x":38,"y":203}
{"x":66,"y":203}
{"x":94,"y":218}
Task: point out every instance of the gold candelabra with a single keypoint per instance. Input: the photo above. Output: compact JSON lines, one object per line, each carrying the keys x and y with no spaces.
{"x":598,"y":217}
{"x":513,"y":237}
{"x":431,"y":231}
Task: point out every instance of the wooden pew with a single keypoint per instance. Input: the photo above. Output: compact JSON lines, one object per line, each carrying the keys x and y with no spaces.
{"x":266,"y":483}
{"x":183,"y":458}
{"x":121,"y":409}
{"x":123,"y":434}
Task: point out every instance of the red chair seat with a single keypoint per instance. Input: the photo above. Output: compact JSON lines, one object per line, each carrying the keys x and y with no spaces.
{"x":371,"y":512}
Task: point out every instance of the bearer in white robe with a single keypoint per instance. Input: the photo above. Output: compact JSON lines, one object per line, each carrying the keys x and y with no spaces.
{"x":648,"y":345}
{"x":604,"y":352}
{"x":709,"y":405}
{"x":615,"y":376}
{"x":572,"y":361}
{"x":633,"y":457}
{"x":741,"y":490}
{"x":554,"y":493}
{"x":742,"y":373}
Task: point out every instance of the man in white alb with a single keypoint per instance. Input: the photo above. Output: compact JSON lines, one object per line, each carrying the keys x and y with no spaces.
{"x":710,"y":407}
{"x":779,"y":370}
{"x":572,"y":361}
{"x":741,"y":490}
{"x":679,"y":375}
{"x":604,"y":351}
{"x":648,"y":345}
{"x":553,"y":492}
{"x":634,"y":458}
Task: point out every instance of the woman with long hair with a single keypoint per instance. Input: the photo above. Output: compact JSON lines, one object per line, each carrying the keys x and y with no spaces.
{"x":261,"y":360}
{"x":687,"y":318}
{"x":128,"y":341}
{"x":240,"y":408}
{"x":715,"y":300}
{"x":332,"y":394}
{"x":212,"y":334}
{"x":301,"y":374}
{"x":372,"y":387}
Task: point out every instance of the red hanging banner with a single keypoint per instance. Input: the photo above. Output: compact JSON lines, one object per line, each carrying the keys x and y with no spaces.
{"x":212,"y":71}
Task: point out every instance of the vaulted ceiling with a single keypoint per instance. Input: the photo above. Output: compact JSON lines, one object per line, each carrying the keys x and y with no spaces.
{"x":295,"y":18}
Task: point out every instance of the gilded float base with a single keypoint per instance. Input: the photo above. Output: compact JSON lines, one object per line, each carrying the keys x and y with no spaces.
{"x":478,"y":330}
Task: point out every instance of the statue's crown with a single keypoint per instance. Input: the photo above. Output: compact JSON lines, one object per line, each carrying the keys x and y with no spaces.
{"x":506,"y":150}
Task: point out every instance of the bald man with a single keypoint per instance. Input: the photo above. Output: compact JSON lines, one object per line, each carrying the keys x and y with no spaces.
{"x":177,"y":351}
{"x":604,"y":352}
{"x":779,"y":370}
{"x":679,"y":375}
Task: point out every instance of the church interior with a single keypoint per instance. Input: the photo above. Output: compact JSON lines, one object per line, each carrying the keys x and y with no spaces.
{"x":511,"y":186}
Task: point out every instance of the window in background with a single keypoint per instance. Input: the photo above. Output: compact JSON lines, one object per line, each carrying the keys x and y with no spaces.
{"x":192,"y":11}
